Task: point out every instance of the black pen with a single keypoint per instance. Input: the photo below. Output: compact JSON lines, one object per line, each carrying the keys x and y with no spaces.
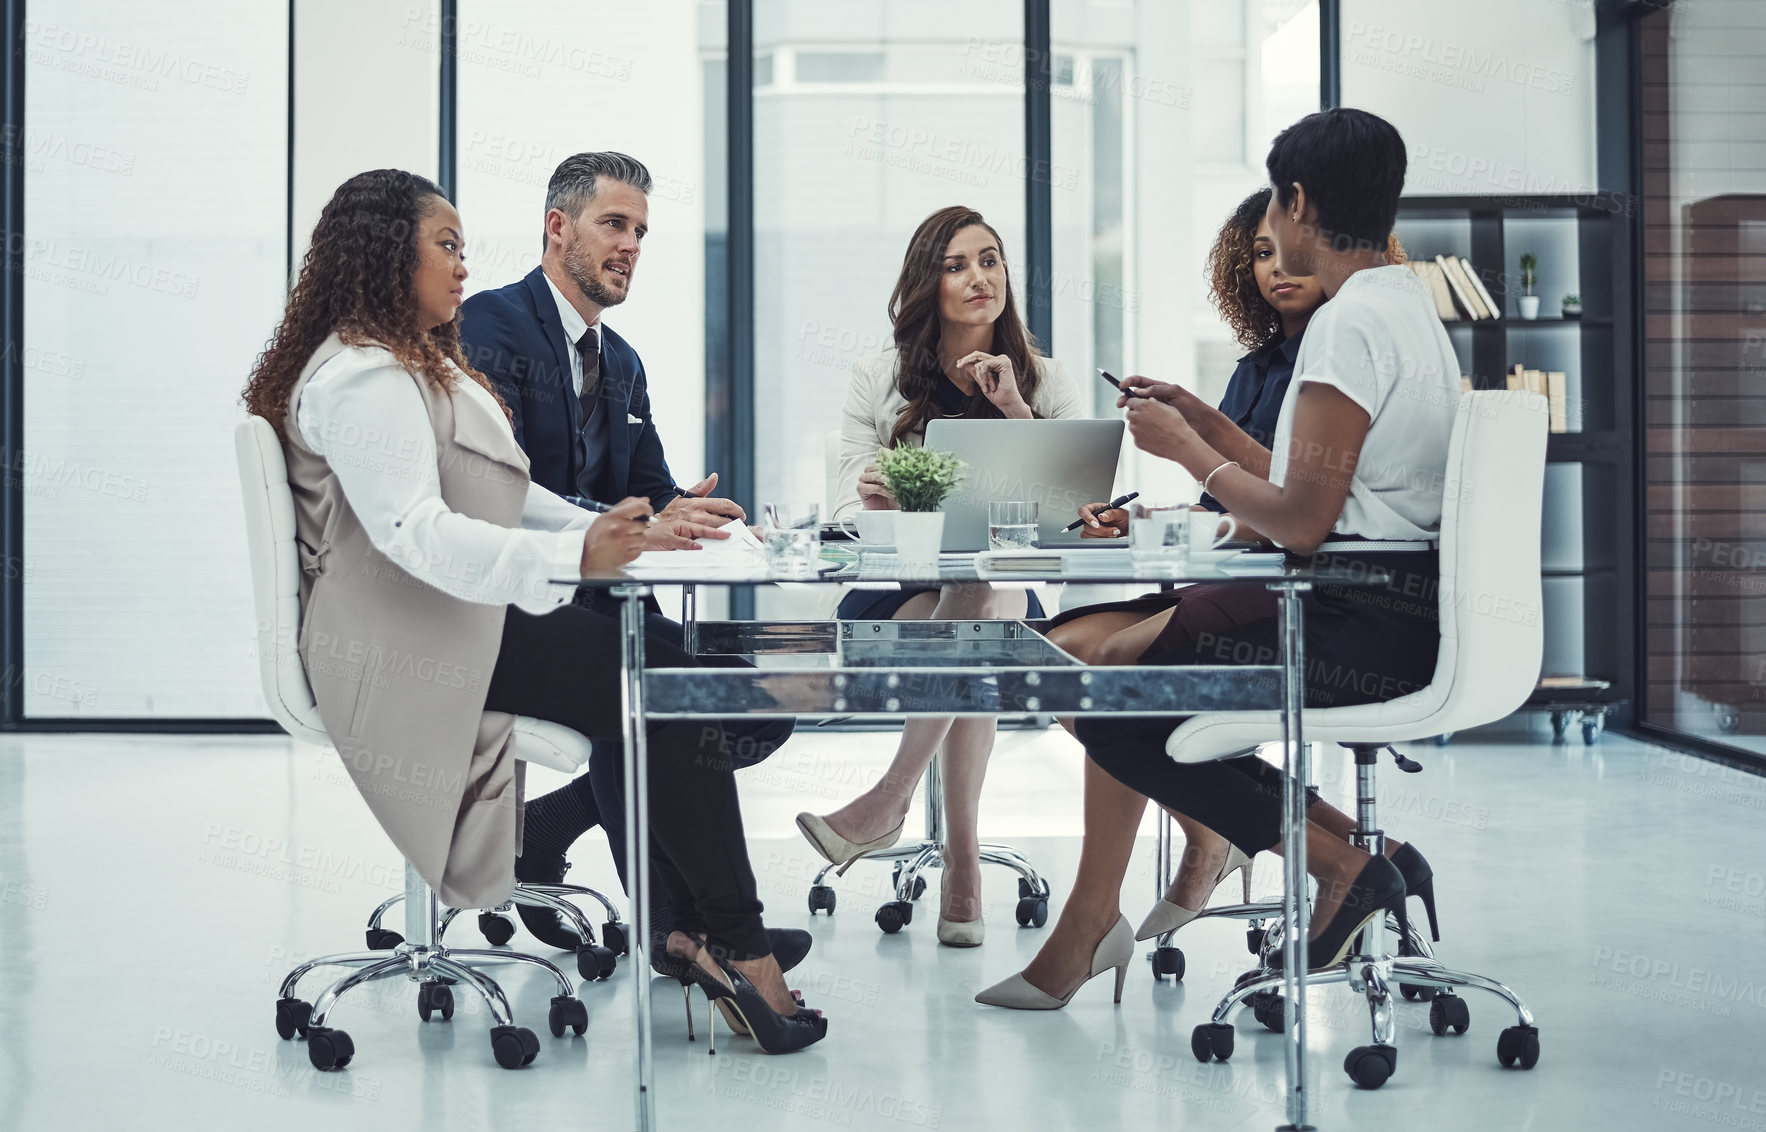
{"x":1111,"y":506}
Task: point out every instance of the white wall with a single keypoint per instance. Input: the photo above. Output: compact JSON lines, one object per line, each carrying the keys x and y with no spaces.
{"x":1493,"y":97}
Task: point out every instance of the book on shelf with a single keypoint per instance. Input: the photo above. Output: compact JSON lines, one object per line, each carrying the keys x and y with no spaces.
{"x":1462,"y":287}
{"x":1490,"y":304}
{"x":1554,"y":395}
{"x":1436,"y":281}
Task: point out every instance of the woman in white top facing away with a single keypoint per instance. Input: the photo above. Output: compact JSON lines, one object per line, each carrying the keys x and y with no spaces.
{"x":961,"y":350}
{"x":430,"y":613}
{"x":1355,"y":477}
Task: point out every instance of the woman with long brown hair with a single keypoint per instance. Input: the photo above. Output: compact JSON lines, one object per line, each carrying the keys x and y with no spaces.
{"x":961,"y":350}
{"x":429,"y":613}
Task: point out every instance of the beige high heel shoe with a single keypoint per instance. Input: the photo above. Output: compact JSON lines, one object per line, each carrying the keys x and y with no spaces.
{"x":1168,"y":917}
{"x":836,"y":848}
{"x":1116,"y":950}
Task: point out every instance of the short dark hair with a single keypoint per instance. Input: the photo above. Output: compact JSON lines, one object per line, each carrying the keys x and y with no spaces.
{"x":573,"y":182}
{"x":1351,"y":164}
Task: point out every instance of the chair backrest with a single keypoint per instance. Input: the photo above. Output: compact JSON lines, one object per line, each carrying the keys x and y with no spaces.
{"x":1492,"y":632}
{"x":275,"y":578}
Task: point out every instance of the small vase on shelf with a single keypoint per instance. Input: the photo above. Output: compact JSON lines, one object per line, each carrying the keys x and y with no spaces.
{"x":1572,"y":307}
{"x":1529,"y":307}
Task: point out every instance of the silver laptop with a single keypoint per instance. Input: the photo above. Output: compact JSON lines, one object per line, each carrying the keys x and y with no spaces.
{"x":1058,"y":464}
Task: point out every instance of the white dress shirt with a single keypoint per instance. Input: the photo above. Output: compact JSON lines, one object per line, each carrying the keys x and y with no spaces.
{"x":1380,"y":343}
{"x":574,"y":326}
{"x":363,"y":413}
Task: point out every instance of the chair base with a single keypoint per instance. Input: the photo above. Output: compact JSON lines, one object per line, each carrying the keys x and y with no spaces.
{"x":913,"y":859}
{"x":1369,"y":970}
{"x":436,"y":969}
{"x":498,"y":930}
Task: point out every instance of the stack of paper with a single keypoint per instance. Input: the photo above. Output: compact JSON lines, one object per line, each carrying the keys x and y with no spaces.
{"x":741,"y":553}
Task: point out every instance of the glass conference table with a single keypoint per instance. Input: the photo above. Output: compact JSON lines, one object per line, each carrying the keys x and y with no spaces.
{"x":908,"y":668}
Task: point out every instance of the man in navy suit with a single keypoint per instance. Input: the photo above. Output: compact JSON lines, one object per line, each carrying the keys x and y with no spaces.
{"x":581,"y":409}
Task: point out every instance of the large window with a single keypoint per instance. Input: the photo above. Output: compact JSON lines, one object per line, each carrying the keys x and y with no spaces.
{"x":867,"y":118}
{"x":540,"y":80}
{"x":155,"y":244}
{"x":1162,"y":114}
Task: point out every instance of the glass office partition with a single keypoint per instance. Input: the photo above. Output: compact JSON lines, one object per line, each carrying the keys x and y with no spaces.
{"x":1704,"y":441}
{"x":156,"y":190}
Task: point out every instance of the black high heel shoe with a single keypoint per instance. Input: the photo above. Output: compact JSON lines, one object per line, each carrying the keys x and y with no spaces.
{"x":1376,"y":890}
{"x":1419,"y":881}
{"x":773,"y":1032}
{"x":690,"y":974}
{"x":790,"y":947}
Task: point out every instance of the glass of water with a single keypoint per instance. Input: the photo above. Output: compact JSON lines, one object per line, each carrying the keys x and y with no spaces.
{"x":1158,"y":537}
{"x":793,"y":537}
{"x":1011,"y":526}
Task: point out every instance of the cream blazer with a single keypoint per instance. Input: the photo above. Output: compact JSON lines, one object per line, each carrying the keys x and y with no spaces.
{"x":873,"y":404}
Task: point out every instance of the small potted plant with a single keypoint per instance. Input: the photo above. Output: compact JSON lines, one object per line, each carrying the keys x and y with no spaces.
{"x":920,"y":479}
{"x":1572,"y":306}
{"x":1529,"y":276}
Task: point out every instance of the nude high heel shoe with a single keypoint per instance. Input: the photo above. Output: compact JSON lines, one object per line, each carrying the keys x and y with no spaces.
{"x":836,"y":848}
{"x":1168,"y":917}
{"x":1116,"y":950}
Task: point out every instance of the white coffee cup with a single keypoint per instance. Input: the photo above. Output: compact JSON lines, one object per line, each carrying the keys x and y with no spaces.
{"x":871,"y":528}
{"x":1205,"y":536}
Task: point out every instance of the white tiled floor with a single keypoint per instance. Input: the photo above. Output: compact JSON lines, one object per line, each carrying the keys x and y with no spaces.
{"x":153,"y":891}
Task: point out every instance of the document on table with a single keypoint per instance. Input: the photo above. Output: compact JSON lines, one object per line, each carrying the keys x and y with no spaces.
{"x":741,"y":554}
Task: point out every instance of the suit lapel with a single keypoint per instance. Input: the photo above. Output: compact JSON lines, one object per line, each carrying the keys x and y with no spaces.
{"x":557,"y":385}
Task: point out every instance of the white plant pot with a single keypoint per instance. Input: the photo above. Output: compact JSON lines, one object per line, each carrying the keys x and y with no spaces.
{"x":1529,"y":307}
{"x":918,"y":535}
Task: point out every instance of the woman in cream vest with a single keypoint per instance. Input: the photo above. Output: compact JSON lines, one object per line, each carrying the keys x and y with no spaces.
{"x":960,"y":351}
{"x":428,"y":560}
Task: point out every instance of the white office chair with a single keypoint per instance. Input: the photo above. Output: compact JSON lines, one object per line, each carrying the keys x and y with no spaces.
{"x":419,"y":953}
{"x":1491,"y":646}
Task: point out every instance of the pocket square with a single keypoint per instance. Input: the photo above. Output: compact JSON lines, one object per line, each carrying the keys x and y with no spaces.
{"x":632,"y":419}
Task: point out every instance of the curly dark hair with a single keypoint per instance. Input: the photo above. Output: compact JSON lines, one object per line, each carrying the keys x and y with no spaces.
{"x":1232,"y":280}
{"x":913,"y":311}
{"x":356,"y":281}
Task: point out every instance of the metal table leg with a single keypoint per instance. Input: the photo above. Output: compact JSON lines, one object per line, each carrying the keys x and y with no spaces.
{"x":637,"y":826}
{"x":1297,"y":772}
{"x":690,"y":618}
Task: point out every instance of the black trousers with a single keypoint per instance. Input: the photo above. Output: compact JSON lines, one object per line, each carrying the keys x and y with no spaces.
{"x":1362,"y":646}
{"x":564,"y":667}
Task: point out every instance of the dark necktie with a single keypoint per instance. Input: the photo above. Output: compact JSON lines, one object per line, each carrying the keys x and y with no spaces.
{"x":589,"y":347}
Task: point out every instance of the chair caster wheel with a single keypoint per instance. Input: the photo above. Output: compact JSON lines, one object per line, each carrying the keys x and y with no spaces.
{"x":1167,"y":961}
{"x":379,"y":939}
{"x":496,"y":929}
{"x":434,"y":998}
{"x":329,"y":1049}
{"x":821,"y":899}
{"x":919,"y":888}
{"x":567,"y":1012}
{"x":1026,"y":888}
{"x":1449,"y":1010}
{"x":291,"y":1017}
{"x":892,"y":916}
{"x":1033,"y":911}
{"x":1212,"y":1040}
{"x":1254,"y":940}
{"x":514,"y":1046}
{"x":1518,"y":1045}
{"x":1270,"y":1009}
{"x":595,"y":963}
{"x":1414,"y":993}
{"x":1370,"y":1066}
{"x":613,"y":937}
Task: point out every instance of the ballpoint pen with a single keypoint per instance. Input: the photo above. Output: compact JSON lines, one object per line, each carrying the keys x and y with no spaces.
{"x":1111,"y":506}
